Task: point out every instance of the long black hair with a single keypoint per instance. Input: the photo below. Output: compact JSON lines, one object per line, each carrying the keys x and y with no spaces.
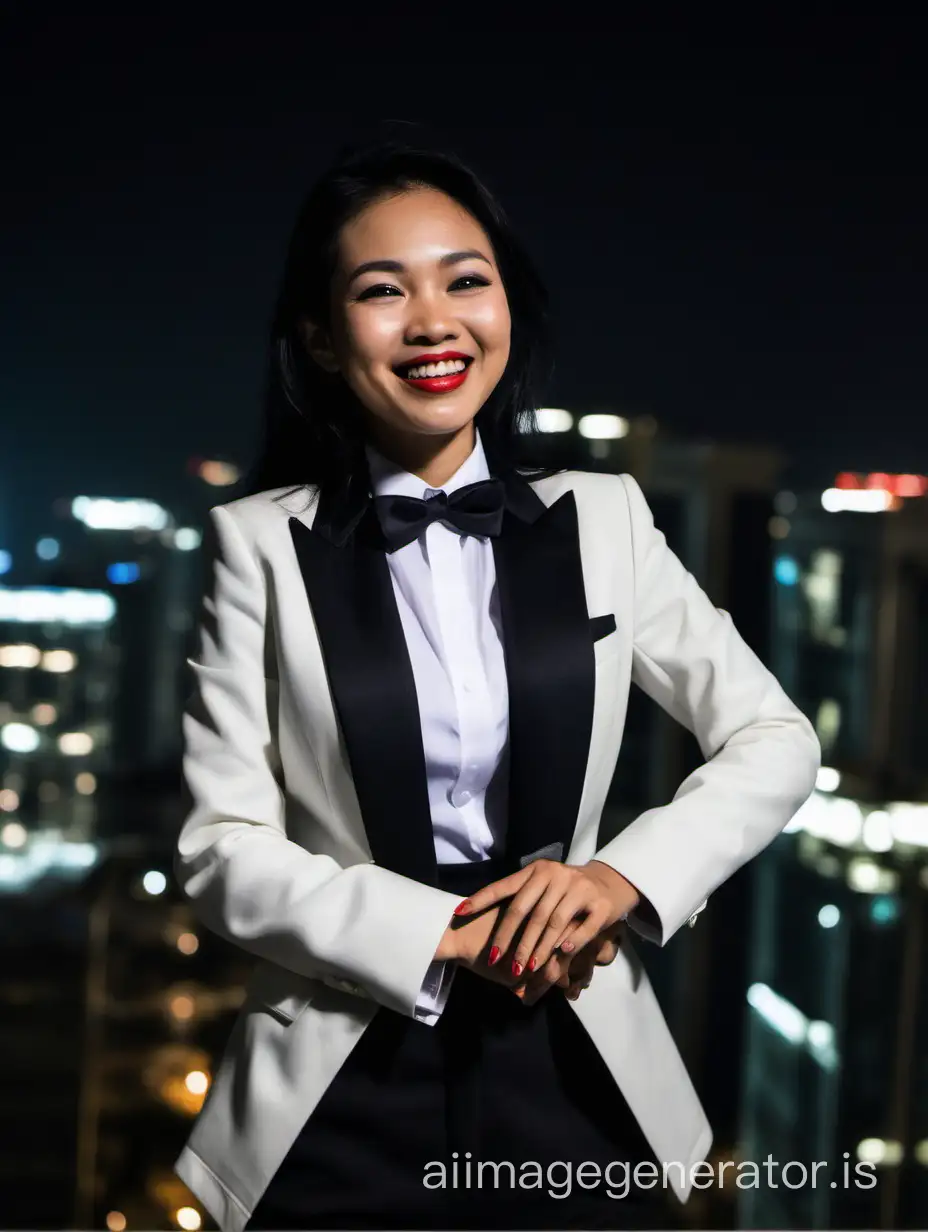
{"x":313,"y":429}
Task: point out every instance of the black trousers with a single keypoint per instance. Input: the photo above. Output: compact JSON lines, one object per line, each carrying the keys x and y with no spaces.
{"x":481,"y":1121}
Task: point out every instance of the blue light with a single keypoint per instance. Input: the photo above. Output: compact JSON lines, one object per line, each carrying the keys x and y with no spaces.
{"x":123,"y":574}
{"x":786,"y":571}
{"x":884,"y":909}
{"x":6,"y":562}
{"x":47,"y":549}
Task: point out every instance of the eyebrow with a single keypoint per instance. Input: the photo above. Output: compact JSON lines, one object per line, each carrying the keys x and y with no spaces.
{"x":386,"y":266}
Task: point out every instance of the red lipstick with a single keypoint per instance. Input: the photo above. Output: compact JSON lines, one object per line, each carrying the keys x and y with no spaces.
{"x":434,"y":384}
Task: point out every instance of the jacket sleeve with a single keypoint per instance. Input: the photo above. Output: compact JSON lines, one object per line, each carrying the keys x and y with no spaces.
{"x":362,"y":928}
{"x":761,"y":754}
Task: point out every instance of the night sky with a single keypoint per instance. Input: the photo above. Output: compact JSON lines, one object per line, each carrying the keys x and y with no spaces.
{"x":732,"y":222}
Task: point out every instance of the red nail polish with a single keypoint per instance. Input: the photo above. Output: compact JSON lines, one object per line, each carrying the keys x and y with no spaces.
{"x":516,"y":968}
{"x":462,"y":908}
{"x":493,"y":956}
{"x":532,"y":963}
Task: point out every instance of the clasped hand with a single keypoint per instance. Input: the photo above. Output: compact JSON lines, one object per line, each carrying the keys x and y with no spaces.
{"x":561,"y":921}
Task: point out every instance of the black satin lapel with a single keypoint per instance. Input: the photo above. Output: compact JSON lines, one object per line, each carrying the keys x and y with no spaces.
{"x":551,"y":671}
{"x":373,"y":688}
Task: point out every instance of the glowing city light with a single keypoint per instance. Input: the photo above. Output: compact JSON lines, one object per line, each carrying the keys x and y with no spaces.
{"x":99,"y":513}
{"x":45,"y":605}
{"x":879,"y":1151}
{"x":20,"y":656}
{"x":218,"y":474}
{"x":85,"y":784}
{"x":182,"y":1007}
{"x":857,"y":500}
{"x":154,"y":883}
{"x":827,"y":779}
{"x":188,"y":1219}
{"x":59,"y":661}
{"x":123,"y":573}
{"x":829,"y":916}
{"x":552,"y":419}
{"x":47,"y":549}
{"x":13,"y":835}
{"x":602,"y":427}
{"x":196,"y":1082}
{"x":187,"y":539}
{"x":19,"y":737}
{"x":786,"y":570}
{"x":75,"y":744}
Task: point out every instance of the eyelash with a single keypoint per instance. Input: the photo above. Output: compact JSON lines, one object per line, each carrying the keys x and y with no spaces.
{"x":368,"y":292}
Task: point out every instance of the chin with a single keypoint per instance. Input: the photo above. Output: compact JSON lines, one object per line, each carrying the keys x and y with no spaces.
{"x":433,"y":420}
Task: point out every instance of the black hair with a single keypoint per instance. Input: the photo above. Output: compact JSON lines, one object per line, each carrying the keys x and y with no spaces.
{"x":313,"y":430}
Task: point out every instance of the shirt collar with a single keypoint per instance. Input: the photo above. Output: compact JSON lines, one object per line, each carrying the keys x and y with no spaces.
{"x":389,"y":479}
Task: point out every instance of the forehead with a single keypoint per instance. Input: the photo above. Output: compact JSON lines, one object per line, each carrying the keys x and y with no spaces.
{"x":415,"y":225}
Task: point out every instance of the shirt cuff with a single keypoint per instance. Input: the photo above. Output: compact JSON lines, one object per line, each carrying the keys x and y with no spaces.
{"x":434,"y":992}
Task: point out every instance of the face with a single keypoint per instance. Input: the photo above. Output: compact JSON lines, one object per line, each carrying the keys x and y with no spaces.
{"x":420,"y":322}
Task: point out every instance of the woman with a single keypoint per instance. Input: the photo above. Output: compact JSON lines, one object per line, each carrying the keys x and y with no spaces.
{"x":409,"y":700}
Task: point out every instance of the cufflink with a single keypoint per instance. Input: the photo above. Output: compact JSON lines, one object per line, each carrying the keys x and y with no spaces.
{"x":553,"y":851}
{"x":692,"y":920}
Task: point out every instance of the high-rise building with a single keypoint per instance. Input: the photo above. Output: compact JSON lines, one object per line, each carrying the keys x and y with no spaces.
{"x":837,"y":1043}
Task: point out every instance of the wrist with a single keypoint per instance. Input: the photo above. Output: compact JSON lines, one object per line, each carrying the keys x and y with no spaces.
{"x":449,"y":947}
{"x":624,"y":893}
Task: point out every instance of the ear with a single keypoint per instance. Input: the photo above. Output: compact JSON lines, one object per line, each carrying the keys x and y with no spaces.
{"x":319,"y":346}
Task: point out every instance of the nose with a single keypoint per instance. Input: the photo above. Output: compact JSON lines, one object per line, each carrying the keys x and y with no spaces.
{"x":429,"y":321}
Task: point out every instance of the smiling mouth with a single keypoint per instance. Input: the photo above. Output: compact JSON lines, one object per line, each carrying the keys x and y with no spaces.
{"x":434,"y":371}
{"x":435,"y":378}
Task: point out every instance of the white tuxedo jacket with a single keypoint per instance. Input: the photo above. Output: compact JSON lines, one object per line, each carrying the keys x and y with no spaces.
{"x":309,"y":841}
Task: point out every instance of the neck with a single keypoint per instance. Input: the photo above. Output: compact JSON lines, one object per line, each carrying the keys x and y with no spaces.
{"x":434,"y":459}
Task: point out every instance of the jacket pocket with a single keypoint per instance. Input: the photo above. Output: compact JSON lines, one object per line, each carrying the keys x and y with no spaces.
{"x":602,"y":626}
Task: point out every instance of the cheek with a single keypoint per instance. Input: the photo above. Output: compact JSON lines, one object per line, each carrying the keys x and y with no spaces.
{"x":371,"y":338}
{"x":491,"y":325}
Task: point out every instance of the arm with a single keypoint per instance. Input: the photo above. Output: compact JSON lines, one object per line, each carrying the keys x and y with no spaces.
{"x":233,"y":860}
{"x":761,"y":753}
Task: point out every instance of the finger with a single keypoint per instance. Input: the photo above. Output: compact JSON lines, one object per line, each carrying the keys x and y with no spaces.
{"x":553,"y":974}
{"x":605,"y":954}
{"x":495,"y":892}
{"x":575,"y":902}
{"x":582,"y":966}
{"x":526,"y":954}
{"x":596,"y":919}
{"x":513,"y":918}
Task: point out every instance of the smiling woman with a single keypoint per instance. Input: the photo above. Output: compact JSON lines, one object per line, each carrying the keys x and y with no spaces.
{"x":392,"y":340}
{"x":399,"y":744}
{"x":399,"y":259}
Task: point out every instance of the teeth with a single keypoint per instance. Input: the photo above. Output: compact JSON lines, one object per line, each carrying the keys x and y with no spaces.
{"x":445,"y":368}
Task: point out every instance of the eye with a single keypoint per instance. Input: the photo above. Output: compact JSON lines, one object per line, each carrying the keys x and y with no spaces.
{"x":381,"y":290}
{"x":472,"y":281}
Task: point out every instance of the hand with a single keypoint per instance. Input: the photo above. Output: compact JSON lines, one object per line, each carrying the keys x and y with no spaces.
{"x":467,"y":942}
{"x":547,"y":897}
{"x":600,"y":952}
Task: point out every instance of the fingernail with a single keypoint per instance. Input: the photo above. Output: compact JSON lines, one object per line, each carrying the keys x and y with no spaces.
{"x":493,"y":956}
{"x":567,"y":946}
{"x":516,"y":967}
{"x":462,"y":908}
{"x":532,"y":963}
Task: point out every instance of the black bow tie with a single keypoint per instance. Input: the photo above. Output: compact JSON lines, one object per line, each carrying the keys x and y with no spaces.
{"x":476,"y":509}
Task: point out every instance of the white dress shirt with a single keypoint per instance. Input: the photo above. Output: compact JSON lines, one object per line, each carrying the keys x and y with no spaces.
{"x":445,"y":588}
